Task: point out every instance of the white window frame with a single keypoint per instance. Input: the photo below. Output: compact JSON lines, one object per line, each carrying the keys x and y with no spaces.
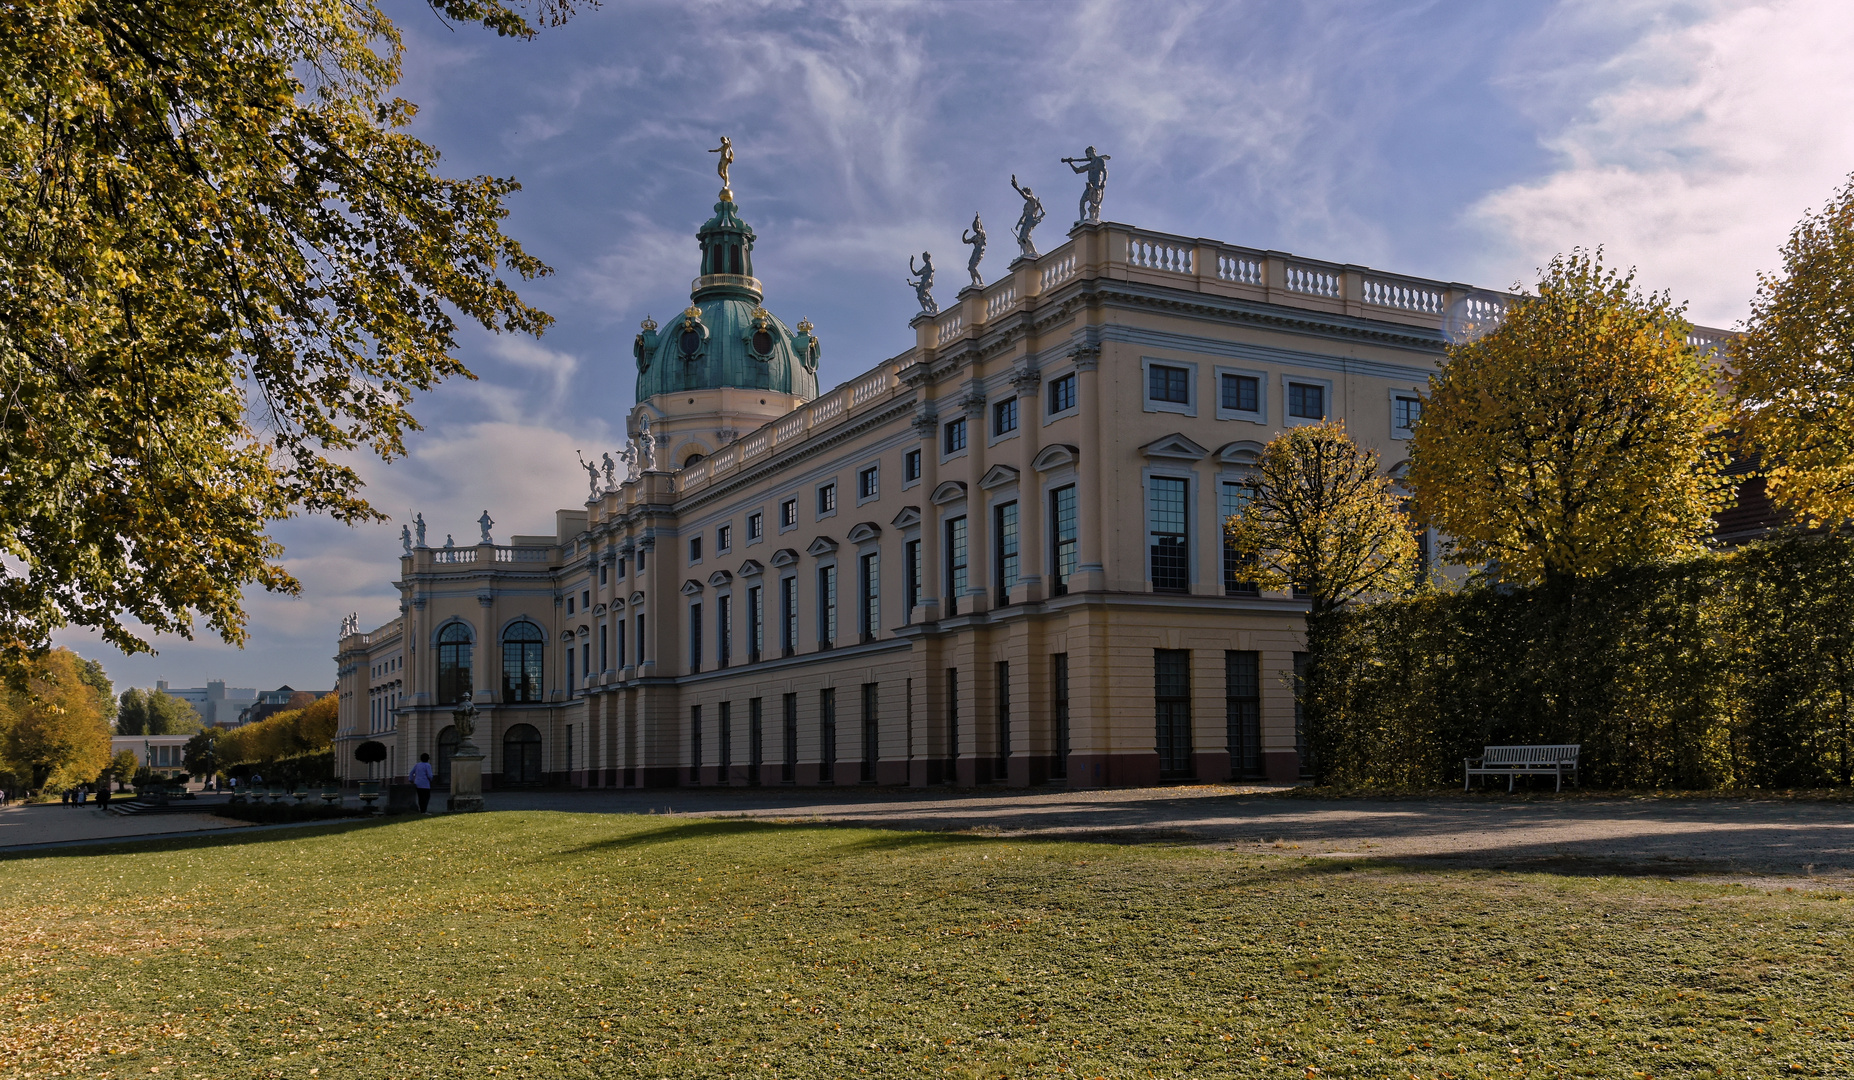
{"x":873,"y":467}
{"x":1305,"y":380}
{"x":783,"y":503}
{"x":1052,"y":417}
{"x":1188,"y":407}
{"x":1260,"y":414}
{"x":1403,"y":432}
{"x":919,"y":473}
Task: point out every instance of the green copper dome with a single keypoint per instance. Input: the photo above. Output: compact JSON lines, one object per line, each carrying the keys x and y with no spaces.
{"x":725,"y":338}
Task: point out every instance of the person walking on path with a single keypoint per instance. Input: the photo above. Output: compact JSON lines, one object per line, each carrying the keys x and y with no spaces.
{"x":421,"y":781}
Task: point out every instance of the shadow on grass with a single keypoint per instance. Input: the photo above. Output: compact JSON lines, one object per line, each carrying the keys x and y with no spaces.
{"x":224,"y":838}
{"x":884,"y":840}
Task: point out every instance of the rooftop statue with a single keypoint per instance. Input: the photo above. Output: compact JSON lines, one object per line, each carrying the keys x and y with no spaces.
{"x":628,"y":454}
{"x":449,"y":544}
{"x":726,"y":150}
{"x":592,"y":475}
{"x":1095,"y":165}
{"x":405,"y":539}
{"x":1028,"y":221}
{"x":486,"y":523}
{"x":646,"y":451}
{"x":610,"y":469}
{"x":419,"y":522}
{"x":923,"y":287}
{"x":977,"y":240}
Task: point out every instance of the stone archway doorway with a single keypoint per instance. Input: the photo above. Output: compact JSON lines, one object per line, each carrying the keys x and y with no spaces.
{"x":521,"y":756}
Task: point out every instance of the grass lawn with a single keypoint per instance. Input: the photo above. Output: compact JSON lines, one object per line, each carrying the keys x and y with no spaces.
{"x":567,"y":945}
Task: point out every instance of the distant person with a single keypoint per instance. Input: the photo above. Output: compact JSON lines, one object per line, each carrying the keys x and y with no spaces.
{"x":421,"y":781}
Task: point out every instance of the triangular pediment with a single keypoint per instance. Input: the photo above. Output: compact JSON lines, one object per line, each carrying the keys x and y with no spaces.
{"x":1241,"y":452}
{"x":691,"y":587}
{"x":998,"y":476}
{"x":909,"y":516}
{"x":750,"y":568}
{"x":823,"y":545}
{"x":1176,"y":447}
{"x":784,"y":557}
{"x":951,"y":491}
{"x":1055,"y":456}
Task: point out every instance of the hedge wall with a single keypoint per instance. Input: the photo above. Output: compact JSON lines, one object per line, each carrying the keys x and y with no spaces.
{"x":1732,"y":670}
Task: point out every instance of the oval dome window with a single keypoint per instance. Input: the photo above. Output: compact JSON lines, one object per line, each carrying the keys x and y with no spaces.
{"x":762,"y":342}
{"x":691,"y":343}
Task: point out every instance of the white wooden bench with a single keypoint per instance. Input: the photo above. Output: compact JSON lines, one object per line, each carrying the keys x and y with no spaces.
{"x":1516,"y":761}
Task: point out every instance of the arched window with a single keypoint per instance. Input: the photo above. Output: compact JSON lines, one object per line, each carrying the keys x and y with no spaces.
{"x":521,"y":756}
{"x":691,"y":459}
{"x":453,"y":663}
{"x":521,"y":662}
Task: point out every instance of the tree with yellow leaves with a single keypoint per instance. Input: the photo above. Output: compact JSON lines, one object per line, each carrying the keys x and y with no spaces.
{"x":1323,"y":520}
{"x":1796,"y":369}
{"x":1576,"y":437}
{"x":52,"y":732}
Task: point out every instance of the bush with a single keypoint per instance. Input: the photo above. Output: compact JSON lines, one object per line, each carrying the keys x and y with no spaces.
{"x":287,"y":813}
{"x":1731,"y":670}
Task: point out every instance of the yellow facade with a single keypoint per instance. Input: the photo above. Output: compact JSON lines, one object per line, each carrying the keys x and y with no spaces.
{"x":1117,"y":349}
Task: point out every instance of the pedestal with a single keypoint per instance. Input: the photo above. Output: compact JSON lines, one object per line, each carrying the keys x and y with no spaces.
{"x":466,"y":783}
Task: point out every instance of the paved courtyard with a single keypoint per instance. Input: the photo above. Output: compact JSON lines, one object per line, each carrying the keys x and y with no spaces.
{"x":1733,"y":837}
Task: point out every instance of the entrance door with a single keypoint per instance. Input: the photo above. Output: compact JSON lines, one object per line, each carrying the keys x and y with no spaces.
{"x":521,"y":756}
{"x":447,"y":749}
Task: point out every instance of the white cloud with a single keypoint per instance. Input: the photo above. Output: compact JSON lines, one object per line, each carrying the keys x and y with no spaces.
{"x":1689,"y":153}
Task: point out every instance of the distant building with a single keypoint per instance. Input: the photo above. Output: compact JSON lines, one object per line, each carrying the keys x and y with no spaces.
{"x":217,"y":705}
{"x":282,"y":699}
{"x":162,"y":753}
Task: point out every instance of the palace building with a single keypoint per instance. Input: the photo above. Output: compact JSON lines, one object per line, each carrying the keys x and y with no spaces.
{"x":994,"y":558}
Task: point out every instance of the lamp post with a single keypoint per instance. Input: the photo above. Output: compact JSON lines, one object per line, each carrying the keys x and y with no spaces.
{"x":466,"y":763}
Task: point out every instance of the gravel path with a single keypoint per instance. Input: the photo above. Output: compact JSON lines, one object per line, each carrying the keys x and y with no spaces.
{"x":56,"y":823}
{"x":1576,"y":834}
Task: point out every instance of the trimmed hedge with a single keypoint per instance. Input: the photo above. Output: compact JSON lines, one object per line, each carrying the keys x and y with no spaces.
{"x":1734,"y":670}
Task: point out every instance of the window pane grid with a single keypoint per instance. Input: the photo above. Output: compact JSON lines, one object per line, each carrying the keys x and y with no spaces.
{"x":1168,"y":512}
{"x":1063,"y":515}
{"x":1007,"y":560}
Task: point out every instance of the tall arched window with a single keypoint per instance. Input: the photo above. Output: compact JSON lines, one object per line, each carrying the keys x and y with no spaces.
{"x":521,"y":662}
{"x":453,"y":663}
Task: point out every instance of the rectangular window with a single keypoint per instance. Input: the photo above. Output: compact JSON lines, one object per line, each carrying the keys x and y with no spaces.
{"x":1238,"y":577}
{"x":623,"y":561}
{"x":585,"y":600}
{"x":911,"y":568}
{"x":1240,"y":393}
{"x":1171,"y":695}
{"x":1004,"y":541}
{"x":1405,"y":412}
{"x":695,"y":744}
{"x":788,"y":514}
{"x":1004,"y":417}
{"x":640,"y":639}
{"x":695,"y":637}
{"x":827,"y":736}
{"x":827,"y":499}
{"x":954,"y":436}
{"x":952,"y":721}
{"x":604,"y":576}
{"x":724,"y":739}
{"x":955,"y":563}
{"x":569,"y":601}
{"x":1062,"y":394}
{"x":1004,"y":720}
{"x":756,"y":625}
{"x":827,"y":606}
{"x":788,"y":768}
{"x":1306,"y":401}
{"x":724,"y":539}
{"x":1168,"y":384}
{"x":641,"y":552}
{"x":724,"y":630}
{"x":1242,"y":673}
{"x":585,"y":659}
{"x":911,"y":466}
{"x":618,"y":653}
{"x":1167,"y":517}
{"x":869,"y":483}
{"x":869,"y":587}
{"x":695,"y":549}
{"x":788,"y":615}
{"x":605,"y":662}
{"x":756,"y":526}
{"x":756,"y":740}
{"x":569,"y":670}
{"x":1059,"y":699}
{"x":871,"y":733}
{"x":1066,"y":532}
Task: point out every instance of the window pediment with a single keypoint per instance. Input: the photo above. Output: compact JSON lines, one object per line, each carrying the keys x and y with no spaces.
{"x":1174,"y":447}
{"x":823,"y":545}
{"x":1055,"y":456}
{"x":949,"y":492}
{"x":867,"y":530}
{"x":998,"y":476}
{"x":910,"y":515}
{"x":637,"y":597}
{"x":599,"y":610}
{"x":750,"y":568}
{"x":720,"y":577}
{"x":784,"y":557}
{"x":1242,"y":452}
{"x":566,"y":635}
{"x":691,"y":587}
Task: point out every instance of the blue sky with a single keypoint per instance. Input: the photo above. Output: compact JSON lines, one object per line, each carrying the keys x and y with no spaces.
{"x":1463,"y":141}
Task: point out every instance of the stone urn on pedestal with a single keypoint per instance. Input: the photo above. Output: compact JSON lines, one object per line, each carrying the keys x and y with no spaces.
{"x":466,"y":763}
